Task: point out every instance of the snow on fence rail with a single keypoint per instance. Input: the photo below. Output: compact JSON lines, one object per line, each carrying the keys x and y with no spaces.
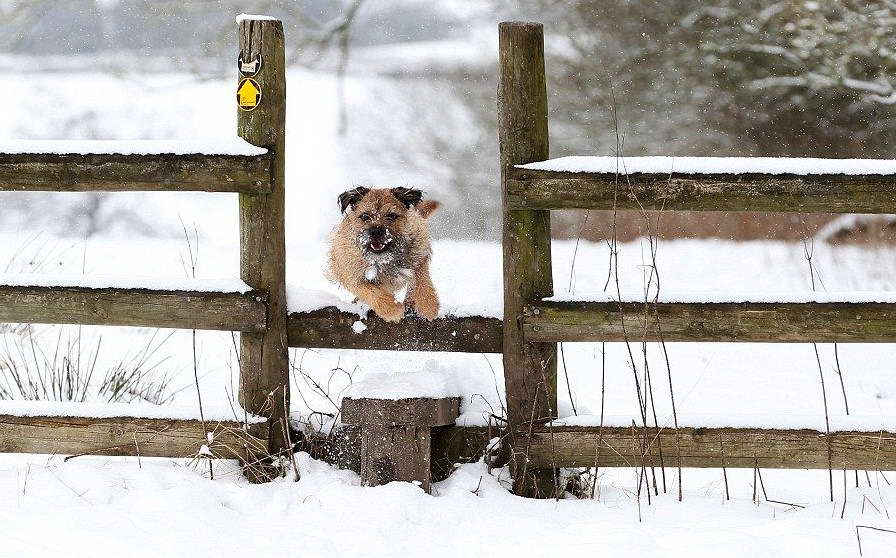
{"x":229,"y":165}
{"x":705,"y":184}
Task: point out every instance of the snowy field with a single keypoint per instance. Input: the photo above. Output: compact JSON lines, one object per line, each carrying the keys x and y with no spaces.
{"x":92,"y":507}
{"x":100,"y":506}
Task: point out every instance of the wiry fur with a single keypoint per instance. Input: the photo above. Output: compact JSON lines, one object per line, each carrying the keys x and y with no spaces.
{"x":397,"y":276}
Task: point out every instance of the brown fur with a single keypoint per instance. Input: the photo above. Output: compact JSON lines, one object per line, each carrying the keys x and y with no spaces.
{"x":379,"y":278}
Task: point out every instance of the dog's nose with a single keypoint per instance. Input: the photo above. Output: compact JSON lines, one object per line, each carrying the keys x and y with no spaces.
{"x":377,"y":232}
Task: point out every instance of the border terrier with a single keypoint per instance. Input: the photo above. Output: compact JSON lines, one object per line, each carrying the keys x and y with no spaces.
{"x":380,"y":251}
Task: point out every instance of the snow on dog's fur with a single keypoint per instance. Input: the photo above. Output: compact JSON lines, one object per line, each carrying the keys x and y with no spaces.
{"x":381,"y":251}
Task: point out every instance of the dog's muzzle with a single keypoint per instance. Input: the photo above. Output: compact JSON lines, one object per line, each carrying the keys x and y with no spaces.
{"x":376,"y":239}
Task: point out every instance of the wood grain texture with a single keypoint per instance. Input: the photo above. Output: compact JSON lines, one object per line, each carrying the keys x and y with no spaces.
{"x":128,"y":436}
{"x":264,"y":359}
{"x":330,"y":328}
{"x":712,"y":447}
{"x":417,"y":411}
{"x":450,"y":445}
{"x":132,"y":173}
{"x":529,"y":189}
{"x":530,"y":369}
{"x":728,"y":322}
{"x":134,"y":307}
{"x":396,"y":453}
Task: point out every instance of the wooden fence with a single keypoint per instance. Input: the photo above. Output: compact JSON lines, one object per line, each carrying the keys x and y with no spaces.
{"x":259,"y":315}
{"x":532,"y":327}
{"x":526,"y":337}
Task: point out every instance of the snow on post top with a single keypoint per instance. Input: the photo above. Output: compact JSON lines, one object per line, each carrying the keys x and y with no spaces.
{"x":245,"y":17}
{"x":715,"y":165}
{"x":432,"y":380}
{"x":213,"y":146}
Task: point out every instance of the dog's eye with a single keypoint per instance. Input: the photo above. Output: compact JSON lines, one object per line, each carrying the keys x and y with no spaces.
{"x":365,"y":216}
{"x":390,"y":217}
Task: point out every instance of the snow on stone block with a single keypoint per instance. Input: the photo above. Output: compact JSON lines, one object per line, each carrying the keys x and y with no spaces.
{"x":716,"y":165}
{"x":124,"y":282}
{"x":246,"y":17}
{"x":720,"y":297}
{"x":102,"y":409}
{"x":432,"y":381}
{"x":212,"y":146}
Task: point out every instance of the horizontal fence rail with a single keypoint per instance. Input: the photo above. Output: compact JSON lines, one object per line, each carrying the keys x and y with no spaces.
{"x":577,"y":446}
{"x":537,"y":189}
{"x":128,"y":436}
{"x":711,"y":447}
{"x":134,"y":307}
{"x":708,"y":321}
{"x":330,"y":328}
{"x":250,"y":174}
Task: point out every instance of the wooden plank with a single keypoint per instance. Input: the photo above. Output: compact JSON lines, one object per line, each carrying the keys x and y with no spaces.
{"x":530,"y":369}
{"x":729,"y":322}
{"x":133,"y":307}
{"x":712,"y":447}
{"x":530,"y":189}
{"x":128,"y":436}
{"x":417,"y":411}
{"x":396,"y":453}
{"x":132,"y":173}
{"x":450,"y":445}
{"x":264,"y":359}
{"x":330,"y":328}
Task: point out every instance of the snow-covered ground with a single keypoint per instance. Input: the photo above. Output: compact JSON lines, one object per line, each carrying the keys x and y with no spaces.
{"x":93,"y":507}
{"x":99,"y":506}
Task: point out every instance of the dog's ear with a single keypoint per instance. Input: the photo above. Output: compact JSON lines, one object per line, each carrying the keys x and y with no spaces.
{"x":427,"y":207}
{"x":350,"y":198}
{"x":408,"y":196}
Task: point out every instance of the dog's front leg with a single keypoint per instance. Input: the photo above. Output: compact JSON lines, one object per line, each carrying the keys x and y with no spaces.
{"x":381,"y":301}
{"x":424,"y":297}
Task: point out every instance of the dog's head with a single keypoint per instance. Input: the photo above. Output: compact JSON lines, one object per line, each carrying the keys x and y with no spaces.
{"x":379,"y":218}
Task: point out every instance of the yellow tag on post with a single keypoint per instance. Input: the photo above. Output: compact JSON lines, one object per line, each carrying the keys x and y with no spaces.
{"x":248,"y":94}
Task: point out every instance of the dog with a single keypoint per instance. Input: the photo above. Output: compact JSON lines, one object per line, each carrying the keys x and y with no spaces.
{"x":381,"y":251}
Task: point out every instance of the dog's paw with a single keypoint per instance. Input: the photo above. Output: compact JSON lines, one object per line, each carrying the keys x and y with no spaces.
{"x":427,"y":309}
{"x":390,"y":312}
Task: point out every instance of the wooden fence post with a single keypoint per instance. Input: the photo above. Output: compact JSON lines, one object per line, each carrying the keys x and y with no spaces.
{"x":264,"y":358}
{"x":530,"y":369}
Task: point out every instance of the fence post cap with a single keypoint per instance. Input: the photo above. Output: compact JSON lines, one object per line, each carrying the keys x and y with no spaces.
{"x":423,"y":411}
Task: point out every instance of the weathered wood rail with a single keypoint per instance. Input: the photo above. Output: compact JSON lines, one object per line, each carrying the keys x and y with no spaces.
{"x":769,"y":322}
{"x":110,"y":172}
{"x":131,"y":436}
{"x":134,"y":307}
{"x":561,"y":446}
{"x":834,"y":193}
{"x":330,"y":328}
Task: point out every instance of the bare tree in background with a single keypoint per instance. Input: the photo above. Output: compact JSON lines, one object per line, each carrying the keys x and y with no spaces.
{"x":725,"y":77}
{"x":802,"y":78}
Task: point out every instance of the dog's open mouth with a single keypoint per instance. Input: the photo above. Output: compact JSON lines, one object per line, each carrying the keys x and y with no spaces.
{"x":378,"y":246}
